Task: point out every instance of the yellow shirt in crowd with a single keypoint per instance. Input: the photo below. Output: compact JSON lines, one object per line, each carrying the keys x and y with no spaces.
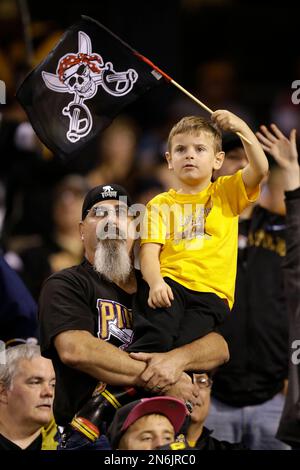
{"x":199,"y":234}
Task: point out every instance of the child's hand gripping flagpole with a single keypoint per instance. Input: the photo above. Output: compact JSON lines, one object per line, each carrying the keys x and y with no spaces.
{"x":170,"y":79}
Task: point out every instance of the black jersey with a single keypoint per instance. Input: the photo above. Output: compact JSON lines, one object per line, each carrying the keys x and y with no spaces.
{"x":257,"y":328}
{"x":78,"y":298}
{"x":6,"y":444}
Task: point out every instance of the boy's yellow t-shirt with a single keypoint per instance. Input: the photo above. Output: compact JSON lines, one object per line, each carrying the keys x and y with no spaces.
{"x":199,"y":234}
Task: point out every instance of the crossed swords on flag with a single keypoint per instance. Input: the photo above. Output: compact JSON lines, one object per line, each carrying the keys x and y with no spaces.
{"x":81,"y":74}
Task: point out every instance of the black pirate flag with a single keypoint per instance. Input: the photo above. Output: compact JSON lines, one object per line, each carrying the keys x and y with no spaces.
{"x":82,"y":85}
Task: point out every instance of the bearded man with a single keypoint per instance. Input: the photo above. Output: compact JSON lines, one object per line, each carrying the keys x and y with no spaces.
{"x":86,"y":322}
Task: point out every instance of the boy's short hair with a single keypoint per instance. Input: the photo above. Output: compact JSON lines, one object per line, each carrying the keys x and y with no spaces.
{"x":194,"y":125}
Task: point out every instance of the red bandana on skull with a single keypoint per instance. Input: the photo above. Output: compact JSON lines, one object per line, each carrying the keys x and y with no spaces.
{"x":80,"y":58}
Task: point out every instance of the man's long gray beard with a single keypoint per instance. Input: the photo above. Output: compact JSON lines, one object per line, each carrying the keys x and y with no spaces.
{"x":112,"y":260}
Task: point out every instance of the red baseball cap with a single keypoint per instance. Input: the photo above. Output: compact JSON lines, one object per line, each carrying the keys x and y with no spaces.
{"x":173,"y":408}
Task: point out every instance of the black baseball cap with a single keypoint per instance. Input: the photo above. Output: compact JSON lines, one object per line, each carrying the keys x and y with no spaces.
{"x":102,"y":193}
{"x":173,"y":408}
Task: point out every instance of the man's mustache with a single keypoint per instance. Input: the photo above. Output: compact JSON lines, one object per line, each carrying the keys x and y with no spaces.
{"x":110,"y":232}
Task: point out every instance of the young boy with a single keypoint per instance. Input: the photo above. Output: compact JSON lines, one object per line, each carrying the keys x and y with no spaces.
{"x":189,"y":242}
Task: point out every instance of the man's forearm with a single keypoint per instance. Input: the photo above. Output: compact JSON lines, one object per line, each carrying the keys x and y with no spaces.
{"x":202,"y":354}
{"x":98,"y":358}
{"x":291,"y":177}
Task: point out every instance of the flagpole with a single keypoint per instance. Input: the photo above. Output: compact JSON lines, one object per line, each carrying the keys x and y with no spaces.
{"x":204,"y":107}
{"x":170,"y":79}
{"x":161,"y":72}
{"x":26,"y":23}
{"x":192,"y":96}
